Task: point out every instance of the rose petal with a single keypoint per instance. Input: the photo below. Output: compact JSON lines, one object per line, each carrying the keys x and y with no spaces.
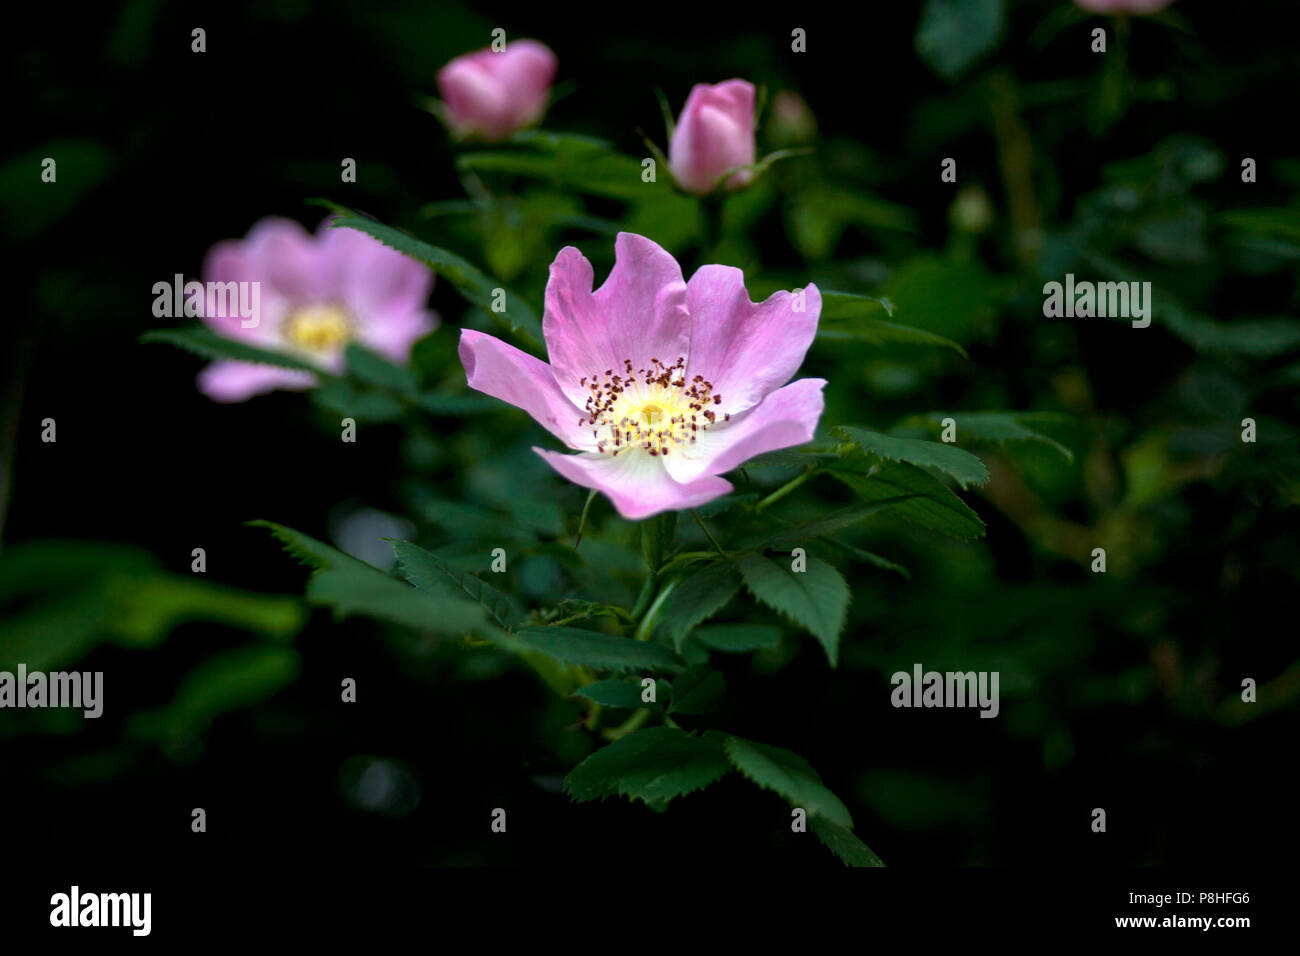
{"x":393,"y":334}
{"x":477,"y":102}
{"x":504,"y":372}
{"x":638,"y":314}
{"x":635,"y":482}
{"x":230,"y":381}
{"x":230,"y":261}
{"x":367,"y":277}
{"x":785,"y":418}
{"x":526,"y":69}
{"x":745,"y":349}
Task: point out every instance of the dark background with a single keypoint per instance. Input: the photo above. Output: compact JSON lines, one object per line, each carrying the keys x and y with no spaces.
{"x":182,"y":150}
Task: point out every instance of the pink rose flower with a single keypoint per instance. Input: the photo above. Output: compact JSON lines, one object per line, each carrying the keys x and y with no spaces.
{"x":660,"y":385}
{"x":714,"y":133}
{"x":1138,"y":7}
{"x":316,"y":294}
{"x":491,"y":95}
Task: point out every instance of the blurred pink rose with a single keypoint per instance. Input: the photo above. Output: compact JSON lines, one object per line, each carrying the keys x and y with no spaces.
{"x":316,"y":294}
{"x":491,"y":95}
{"x":714,"y":133}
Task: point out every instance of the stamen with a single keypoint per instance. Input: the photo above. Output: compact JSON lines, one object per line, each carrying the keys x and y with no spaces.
{"x":317,"y":328}
{"x":653,"y":409}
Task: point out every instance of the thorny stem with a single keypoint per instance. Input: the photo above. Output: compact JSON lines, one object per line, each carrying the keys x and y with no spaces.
{"x":707,"y":533}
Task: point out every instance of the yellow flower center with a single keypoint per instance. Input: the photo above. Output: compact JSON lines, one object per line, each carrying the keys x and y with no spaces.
{"x":318,"y":328}
{"x":653,"y":409}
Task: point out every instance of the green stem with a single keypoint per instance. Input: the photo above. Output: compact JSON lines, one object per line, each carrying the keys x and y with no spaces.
{"x":582,"y":522}
{"x":643,"y":599}
{"x":785,"y":489}
{"x":647,"y":624}
{"x":711,"y":225}
{"x":633,"y":723}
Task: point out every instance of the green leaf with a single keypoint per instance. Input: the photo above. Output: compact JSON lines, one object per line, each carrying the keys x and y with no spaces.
{"x":25,"y":210}
{"x":953,"y":34}
{"x":225,"y":681}
{"x":351,"y":587}
{"x":738,"y":638}
{"x":654,"y":765}
{"x":146,"y":609}
{"x":206,"y":343}
{"x":454,"y":405}
{"x":56,"y":630}
{"x":467,"y":279}
{"x":817,"y":215}
{"x":373,"y":369}
{"x":869,"y":557}
{"x":308,"y":551}
{"x":788,"y":774}
{"x":370,"y":593}
{"x":63,"y":599}
{"x":830,"y":523}
{"x":696,"y":598}
{"x":1001,"y":427}
{"x":789,"y":459}
{"x":1255,"y":338}
{"x":849,"y":317}
{"x":461,"y":519}
{"x":570,"y":163}
{"x":875,"y":332}
{"x":352,"y":401}
{"x":957,"y":463}
{"x":433,"y":575}
{"x":625,"y":694}
{"x":844,"y":843}
{"x":935,"y":506}
{"x":698,"y":691}
{"x":816,"y":599}
{"x":953,"y":298}
{"x":590,"y":649}
{"x":850,"y":305}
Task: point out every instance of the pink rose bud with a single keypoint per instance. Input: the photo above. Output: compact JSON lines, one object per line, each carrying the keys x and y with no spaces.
{"x":490,"y":95}
{"x":1124,"y":6}
{"x":715,"y":133}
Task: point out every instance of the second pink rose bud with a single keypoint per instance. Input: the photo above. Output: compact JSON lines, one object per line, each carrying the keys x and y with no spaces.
{"x":489,"y":95}
{"x":714,"y":134}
